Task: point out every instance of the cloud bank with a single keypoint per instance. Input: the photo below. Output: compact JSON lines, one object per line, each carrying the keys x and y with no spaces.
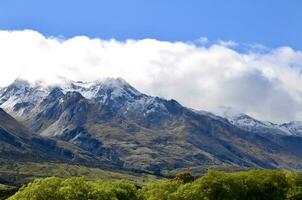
{"x":265,"y":83}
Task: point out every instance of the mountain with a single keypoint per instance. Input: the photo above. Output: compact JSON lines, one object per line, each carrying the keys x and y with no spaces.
{"x":18,"y":143}
{"x":250,"y":124}
{"x":114,"y":122}
{"x":20,"y":97}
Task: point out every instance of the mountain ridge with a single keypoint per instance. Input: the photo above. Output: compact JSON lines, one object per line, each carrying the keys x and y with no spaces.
{"x":96,"y":90}
{"x":251,"y":124}
{"x":114,"y":120}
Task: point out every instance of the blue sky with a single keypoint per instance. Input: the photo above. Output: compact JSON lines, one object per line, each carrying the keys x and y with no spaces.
{"x":252,"y":62}
{"x":271,"y":23}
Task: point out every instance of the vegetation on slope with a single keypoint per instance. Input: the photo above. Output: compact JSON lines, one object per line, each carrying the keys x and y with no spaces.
{"x":7,"y":191}
{"x":248,"y":185}
{"x":19,"y":173}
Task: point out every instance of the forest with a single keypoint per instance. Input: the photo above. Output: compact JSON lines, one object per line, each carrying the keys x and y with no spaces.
{"x":214,"y":185}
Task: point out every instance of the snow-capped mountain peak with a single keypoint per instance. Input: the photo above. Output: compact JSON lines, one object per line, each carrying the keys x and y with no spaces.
{"x":20,"y":83}
{"x":242,"y":120}
{"x":21,"y":97}
{"x":100,"y":89}
{"x":294,"y":127}
{"x":251,"y":124}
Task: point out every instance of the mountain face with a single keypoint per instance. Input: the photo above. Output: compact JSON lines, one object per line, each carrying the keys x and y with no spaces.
{"x":18,"y":143}
{"x":20,"y":97}
{"x":250,"y":124}
{"x":112,"y":122}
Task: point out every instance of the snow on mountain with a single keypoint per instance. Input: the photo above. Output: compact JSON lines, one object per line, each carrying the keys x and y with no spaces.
{"x":100,"y":89}
{"x":24,"y":91}
{"x":242,"y":120}
{"x":21,"y":97}
{"x":294,"y":127}
{"x":117,"y":93}
{"x":248,"y":123}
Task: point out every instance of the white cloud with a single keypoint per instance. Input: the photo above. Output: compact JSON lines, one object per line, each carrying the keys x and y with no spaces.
{"x":202,"y":40}
{"x":265,"y":84}
{"x":228,"y":43}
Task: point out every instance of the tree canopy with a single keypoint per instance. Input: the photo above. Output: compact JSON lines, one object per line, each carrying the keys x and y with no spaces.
{"x":248,"y":185}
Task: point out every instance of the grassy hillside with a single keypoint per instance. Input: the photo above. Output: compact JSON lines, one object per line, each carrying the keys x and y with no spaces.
{"x":18,"y":173}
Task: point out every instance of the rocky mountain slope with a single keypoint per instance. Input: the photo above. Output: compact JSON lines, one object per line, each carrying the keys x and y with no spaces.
{"x":18,"y":143}
{"x":248,"y":123}
{"x":111,"y":119}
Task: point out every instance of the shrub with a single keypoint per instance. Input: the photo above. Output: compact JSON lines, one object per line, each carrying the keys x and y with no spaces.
{"x":76,"y":188}
{"x":161,"y":190}
{"x":40,"y":189}
{"x":185,"y":177}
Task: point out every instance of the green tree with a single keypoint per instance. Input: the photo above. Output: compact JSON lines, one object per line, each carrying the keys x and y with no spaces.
{"x":185,"y":177}
{"x":40,"y":189}
{"x":295,"y":186}
{"x":76,"y":188}
{"x":266,"y":184}
{"x":213,"y":186}
{"x":160,"y":190}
